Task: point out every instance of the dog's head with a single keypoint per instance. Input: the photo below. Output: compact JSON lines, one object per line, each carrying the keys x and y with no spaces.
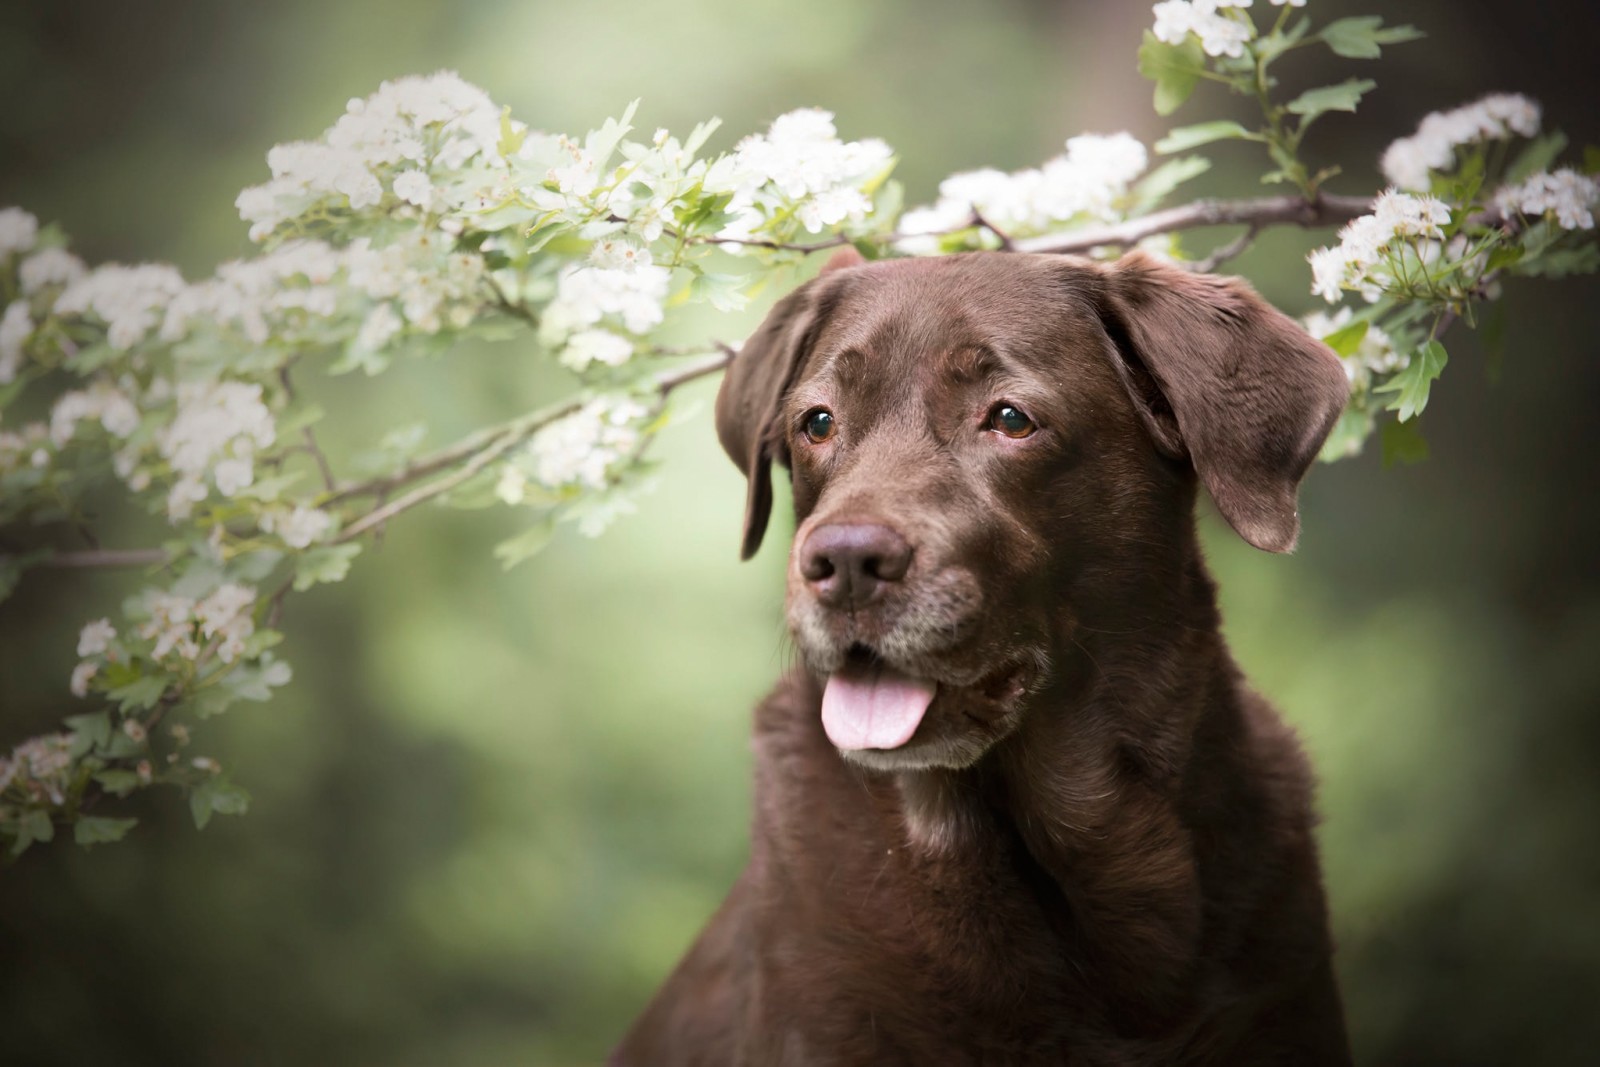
{"x":990,"y":451}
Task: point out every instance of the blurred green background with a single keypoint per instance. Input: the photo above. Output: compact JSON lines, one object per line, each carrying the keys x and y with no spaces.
{"x":494,"y":808}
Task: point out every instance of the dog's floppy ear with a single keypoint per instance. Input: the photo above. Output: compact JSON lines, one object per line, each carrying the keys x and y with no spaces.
{"x":1223,"y":378}
{"x":751,"y":396}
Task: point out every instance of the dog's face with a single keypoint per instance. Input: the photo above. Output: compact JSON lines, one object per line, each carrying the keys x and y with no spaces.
{"x":991,"y":451}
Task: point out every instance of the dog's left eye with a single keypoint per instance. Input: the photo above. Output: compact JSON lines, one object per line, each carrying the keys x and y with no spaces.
{"x":1011,"y":421}
{"x":819,"y":425}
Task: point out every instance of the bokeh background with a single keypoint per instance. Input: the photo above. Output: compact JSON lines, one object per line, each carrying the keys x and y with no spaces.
{"x":494,"y":808}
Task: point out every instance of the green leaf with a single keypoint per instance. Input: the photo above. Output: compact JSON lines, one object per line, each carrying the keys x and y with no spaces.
{"x":1186,"y":137}
{"x":216,"y":796}
{"x":725,"y":292}
{"x":1155,"y":186}
{"x":325,"y":563}
{"x":140,"y":694}
{"x":528,"y":543}
{"x":1540,"y":153}
{"x":94,"y":830}
{"x":1561,"y":263}
{"x":11,"y":568}
{"x":511,"y":138}
{"x":1349,"y":434}
{"x":1342,"y":97}
{"x":118,"y":782}
{"x":1591,"y":159}
{"x":1413,"y":383}
{"x":1347,"y":339}
{"x":1403,"y":443}
{"x":254,"y":566}
{"x":89,"y":732}
{"x":1360,"y":37}
{"x":1175,"y":68}
{"x":34,"y":826}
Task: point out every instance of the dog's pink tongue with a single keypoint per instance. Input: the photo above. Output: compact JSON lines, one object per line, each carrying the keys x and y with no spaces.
{"x":873,"y":706}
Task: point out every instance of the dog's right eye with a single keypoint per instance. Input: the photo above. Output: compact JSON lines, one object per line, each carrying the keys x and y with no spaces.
{"x":819,"y":425}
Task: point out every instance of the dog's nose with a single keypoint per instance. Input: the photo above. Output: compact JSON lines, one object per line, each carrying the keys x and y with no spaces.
{"x":846,"y":563}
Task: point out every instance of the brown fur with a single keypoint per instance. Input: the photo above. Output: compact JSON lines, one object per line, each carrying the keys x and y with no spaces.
{"x":1097,"y":848}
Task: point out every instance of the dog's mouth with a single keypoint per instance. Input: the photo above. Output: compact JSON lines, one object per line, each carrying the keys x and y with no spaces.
{"x":869,"y":703}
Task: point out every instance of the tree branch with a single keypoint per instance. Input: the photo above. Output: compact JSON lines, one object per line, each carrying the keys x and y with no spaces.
{"x":1324,"y":210}
{"x":484,"y":447}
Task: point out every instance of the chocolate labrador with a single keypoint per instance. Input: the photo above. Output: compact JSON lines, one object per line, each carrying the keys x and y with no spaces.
{"x":1016,"y":804}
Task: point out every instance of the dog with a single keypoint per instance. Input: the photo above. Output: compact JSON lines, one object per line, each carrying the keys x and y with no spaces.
{"x":1016,"y":804}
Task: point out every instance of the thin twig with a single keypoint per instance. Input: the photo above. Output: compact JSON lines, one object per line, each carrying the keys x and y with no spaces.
{"x":1223,"y":253}
{"x":105,"y":557}
{"x":1006,"y":243}
{"x":308,"y":435}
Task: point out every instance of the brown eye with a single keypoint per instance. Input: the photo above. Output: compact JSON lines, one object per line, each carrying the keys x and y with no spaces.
{"x":819,"y":426}
{"x":1009,"y":420}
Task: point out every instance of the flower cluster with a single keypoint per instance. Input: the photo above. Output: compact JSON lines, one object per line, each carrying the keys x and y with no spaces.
{"x":213,"y":438}
{"x":1220,"y":32}
{"x":102,"y":402}
{"x":583,"y":449}
{"x":183,"y":625}
{"x":39,"y":767}
{"x":1086,"y":183}
{"x":383,"y":145}
{"x":1374,"y":248}
{"x":1565,"y":193}
{"x":130,"y":301}
{"x":798,"y":168}
{"x":1375,"y":355}
{"x":619,"y":282}
{"x":1409,"y":163}
{"x":298,"y":527}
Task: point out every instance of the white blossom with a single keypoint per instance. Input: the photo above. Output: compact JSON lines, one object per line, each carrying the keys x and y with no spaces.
{"x":225,"y":615}
{"x":406,"y":125}
{"x":217,"y":429}
{"x":15,"y":329}
{"x":44,"y":763}
{"x":379,"y":327}
{"x":82,"y":675}
{"x":801,"y":164}
{"x":49,"y":266}
{"x":1375,"y":355}
{"x":94,"y":638}
{"x":512,"y":486}
{"x":1408,"y":163}
{"x":18,"y":231}
{"x":582,"y":449}
{"x":1566,"y":193}
{"x":103,"y":401}
{"x":171,"y":625}
{"x":1084,"y":183}
{"x":413,"y":187}
{"x":596,"y":346}
{"x":1219,"y":34}
{"x":1360,"y":259}
{"x":585,"y":295}
{"x":259,"y":296}
{"x":128,"y":299}
{"x":298,"y":528}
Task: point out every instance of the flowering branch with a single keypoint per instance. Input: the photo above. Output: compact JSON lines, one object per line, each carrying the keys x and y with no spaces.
{"x":426,"y":216}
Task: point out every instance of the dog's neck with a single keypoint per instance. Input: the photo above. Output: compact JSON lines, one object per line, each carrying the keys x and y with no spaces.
{"x":1088,"y":783}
